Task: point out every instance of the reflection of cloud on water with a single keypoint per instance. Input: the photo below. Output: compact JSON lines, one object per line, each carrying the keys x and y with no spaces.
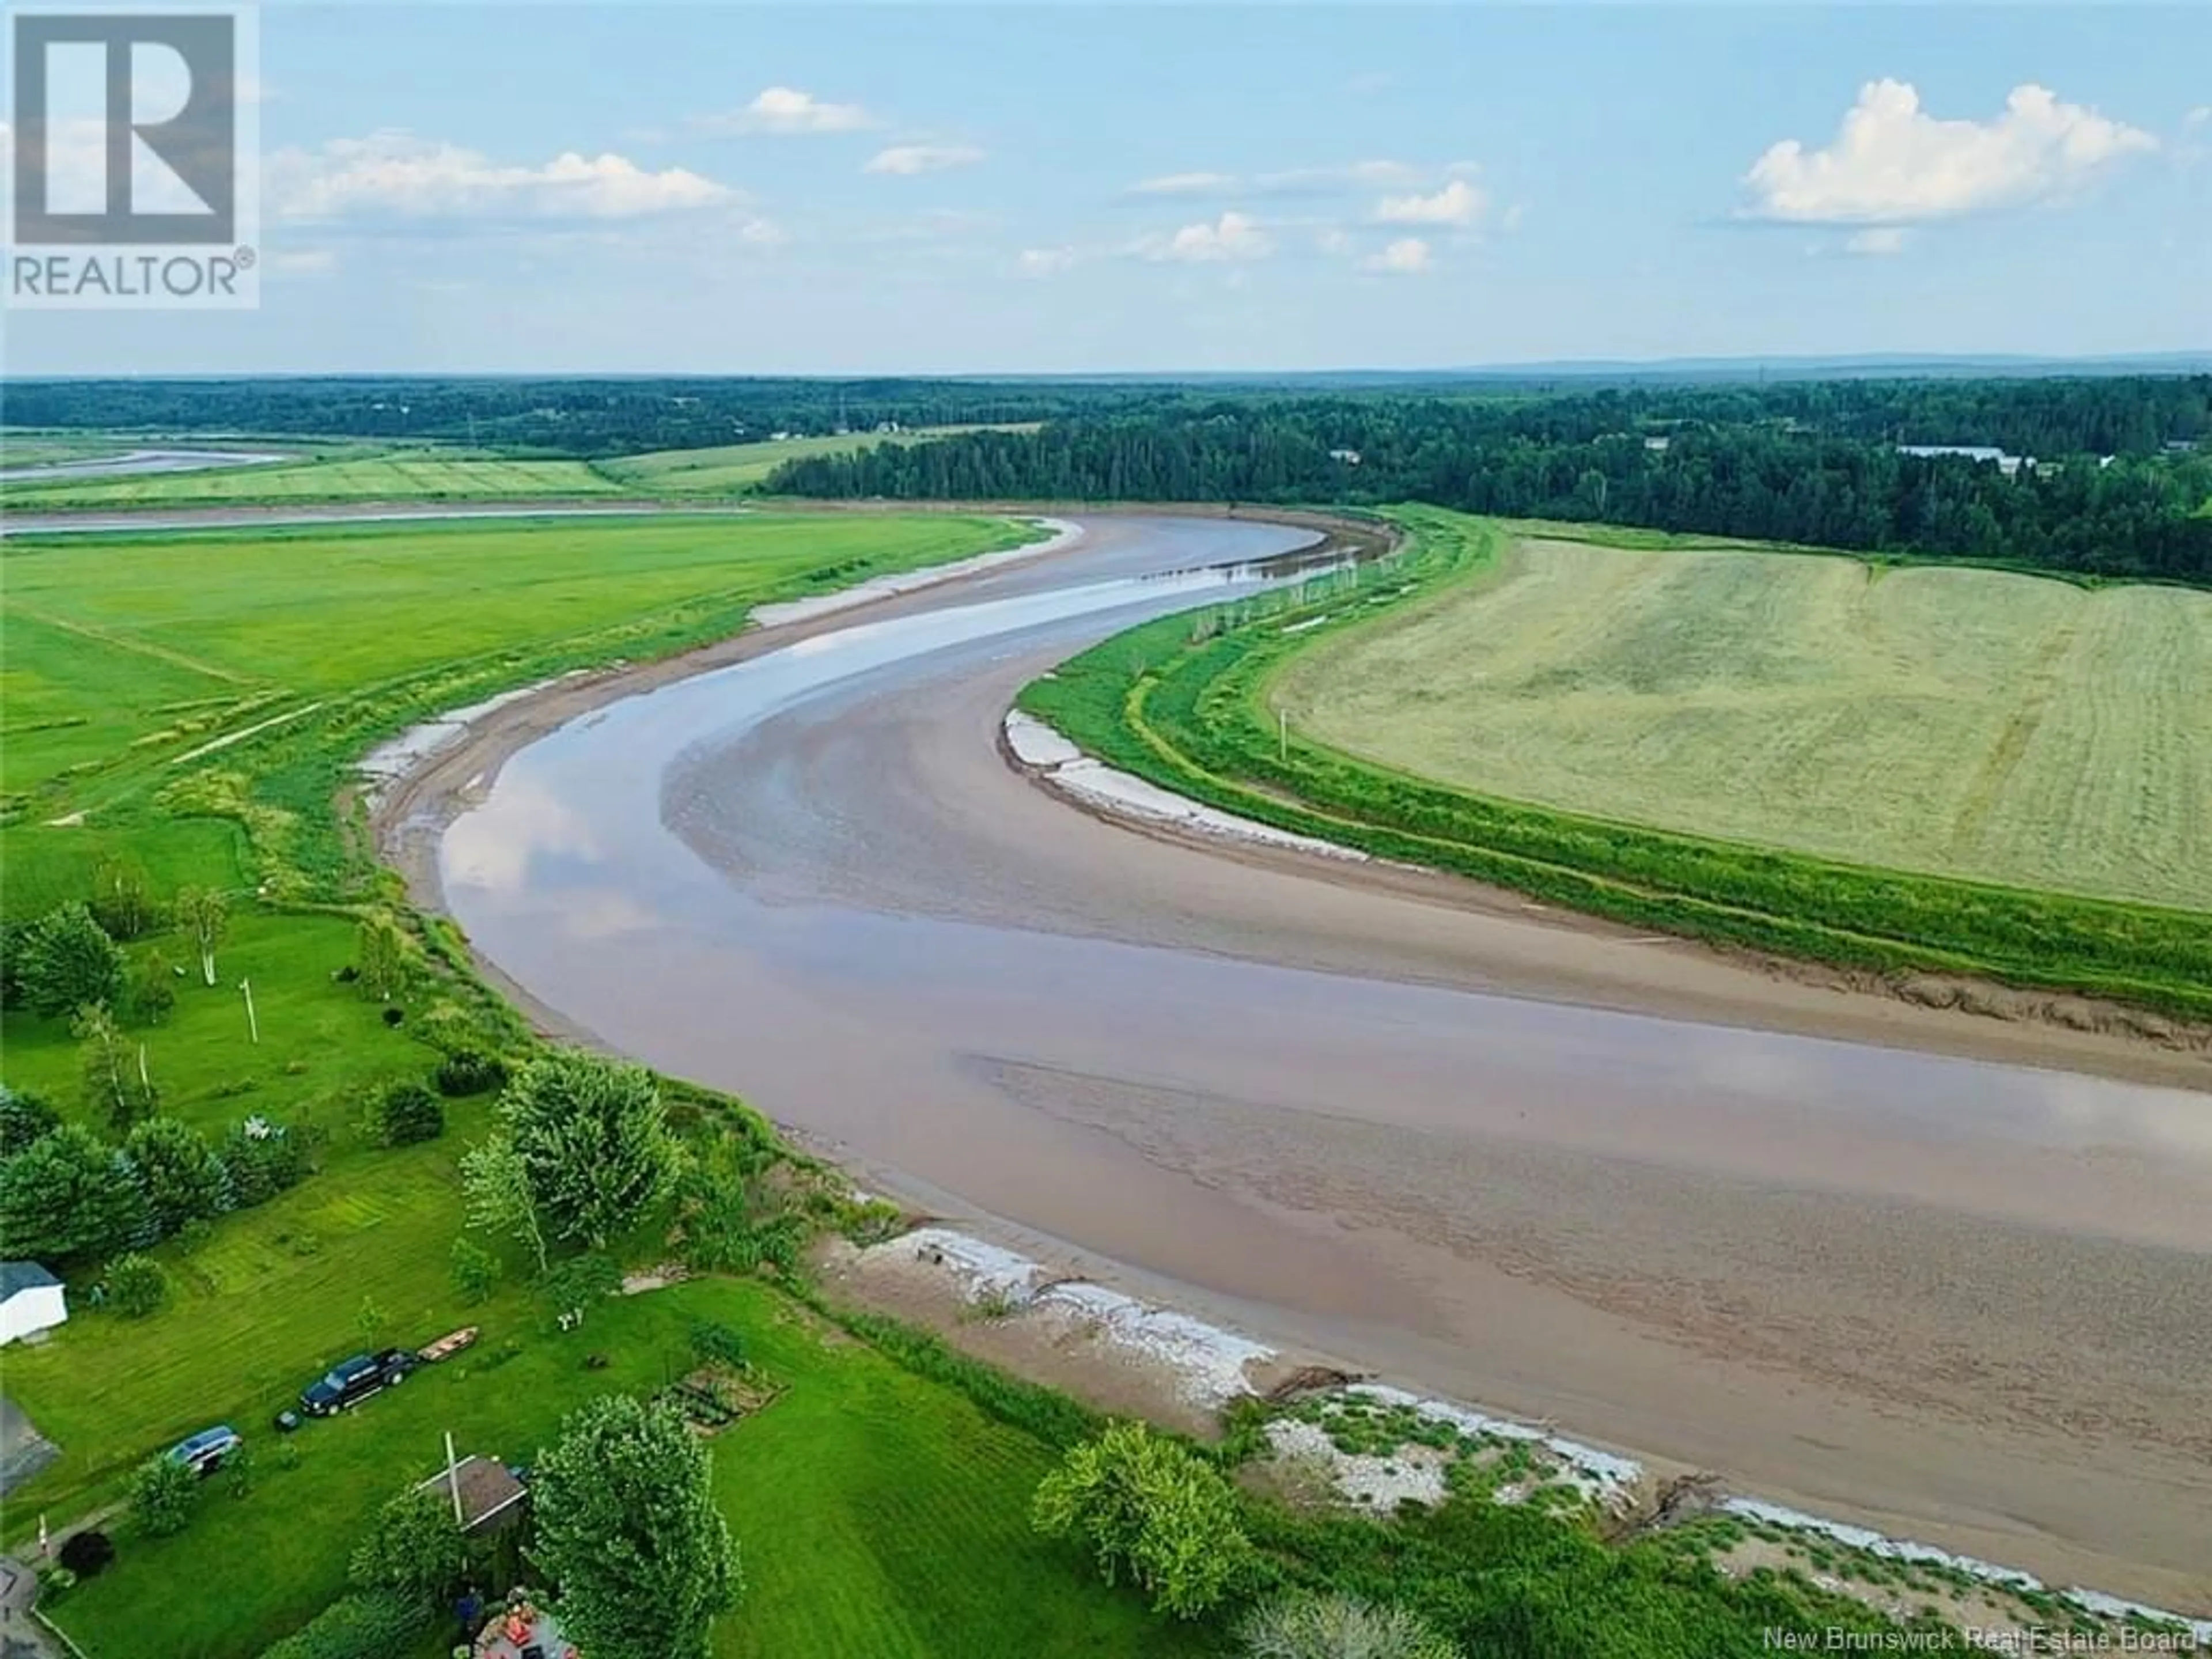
{"x":2173,"y":1122}
{"x":492,"y":847}
{"x":604,"y":915}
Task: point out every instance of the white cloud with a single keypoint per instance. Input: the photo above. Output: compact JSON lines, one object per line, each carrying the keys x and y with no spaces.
{"x":2197,"y":117}
{"x":1409,"y":256}
{"x":1458,"y":202}
{"x":1512,"y":219}
{"x":1184,"y":184}
{"x":1880,"y":239}
{"x":1331,"y":240}
{"x":1891,"y":162}
{"x":787,"y":112}
{"x":907,"y":160}
{"x":1232,"y":236}
{"x":1351,"y":175}
{"x":395,"y":174}
{"x":1045,"y":261}
{"x":305,"y":262}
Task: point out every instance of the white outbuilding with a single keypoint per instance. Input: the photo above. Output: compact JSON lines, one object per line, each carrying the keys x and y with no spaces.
{"x":31,"y":1300}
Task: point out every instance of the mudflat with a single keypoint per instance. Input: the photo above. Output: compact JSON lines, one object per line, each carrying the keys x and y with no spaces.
{"x":1941,"y":1274}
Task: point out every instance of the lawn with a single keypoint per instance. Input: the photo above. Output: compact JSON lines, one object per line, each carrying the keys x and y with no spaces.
{"x":126,"y":652}
{"x":736,"y":468}
{"x":337,"y":478}
{"x":1969,"y":723}
{"x":875,"y":1512}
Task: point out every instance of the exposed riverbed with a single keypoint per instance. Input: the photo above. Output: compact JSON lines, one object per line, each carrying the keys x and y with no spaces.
{"x":1681,"y":1205}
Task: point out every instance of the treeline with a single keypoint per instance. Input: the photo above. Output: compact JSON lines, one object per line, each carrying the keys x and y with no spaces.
{"x":1731,"y":462}
{"x":580,"y":417}
{"x":2127,"y":416}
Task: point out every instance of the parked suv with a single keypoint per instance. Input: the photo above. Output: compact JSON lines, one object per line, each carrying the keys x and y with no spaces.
{"x":352,"y":1381}
{"x":204,"y":1453}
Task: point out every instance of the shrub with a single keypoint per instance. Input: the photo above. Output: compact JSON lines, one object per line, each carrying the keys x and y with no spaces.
{"x":1332,"y":1626}
{"x":392,"y":1016}
{"x":412,"y":1550}
{"x":55,"y":1583}
{"x":153,"y":988}
{"x":263,"y":1159}
{"x":408,"y":1112}
{"x":580,"y":1281}
{"x":87,"y":1554}
{"x":471,"y":1071}
{"x":123,"y":898}
{"x":137,"y":1285}
{"x":714,"y":1343}
{"x":163,"y":1494}
{"x":1152,"y":1509}
{"x":23,"y":1119}
{"x":65,"y":960}
{"x":238,"y":1471}
{"x":476,"y":1271}
{"x":373,"y":1626}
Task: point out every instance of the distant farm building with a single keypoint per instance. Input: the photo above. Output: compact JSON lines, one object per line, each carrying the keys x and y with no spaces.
{"x":2008,"y":465}
{"x":1349,"y":457}
{"x":31,"y":1300}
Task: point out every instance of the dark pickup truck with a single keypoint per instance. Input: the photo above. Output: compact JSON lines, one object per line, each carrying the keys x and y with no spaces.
{"x":352,"y":1381}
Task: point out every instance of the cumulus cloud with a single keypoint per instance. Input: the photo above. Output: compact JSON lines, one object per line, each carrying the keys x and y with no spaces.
{"x":1892,"y":162}
{"x":1879,"y":239}
{"x":1457,"y":204}
{"x":1044,"y":261}
{"x":1297,"y":181}
{"x":395,"y":174}
{"x":1409,"y":255}
{"x":1232,"y":236}
{"x":907,"y":160}
{"x":786,"y":111}
{"x":2197,"y":117}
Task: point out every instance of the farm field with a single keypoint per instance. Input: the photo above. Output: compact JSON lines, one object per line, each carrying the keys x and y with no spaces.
{"x":737,"y":467}
{"x":126,"y":652}
{"x":1960,"y":722}
{"x":347,"y":478}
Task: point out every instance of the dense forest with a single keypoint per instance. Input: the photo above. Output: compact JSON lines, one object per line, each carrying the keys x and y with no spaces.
{"x":2121,"y":415}
{"x":1817,"y":465}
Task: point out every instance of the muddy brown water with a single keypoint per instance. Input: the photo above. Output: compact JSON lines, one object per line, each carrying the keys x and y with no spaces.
{"x":1553,"y":1168}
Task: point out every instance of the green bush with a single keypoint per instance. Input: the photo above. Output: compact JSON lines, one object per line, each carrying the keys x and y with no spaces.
{"x":408,"y":1112}
{"x":1295,"y":1626}
{"x":1153,"y":1510}
{"x":714,"y":1343}
{"x":471,"y":1071}
{"x":263,"y":1158}
{"x":136,"y":1287}
{"x":23,"y":1119}
{"x":476,"y":1271}
{"x":373,"y":1626}
{"x":412,"y":1550}
{"x":163,"y":1495}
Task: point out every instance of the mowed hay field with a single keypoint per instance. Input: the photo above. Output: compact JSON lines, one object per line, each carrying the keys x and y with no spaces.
{"x":366,"y":478}
{"x":1969,"y":723}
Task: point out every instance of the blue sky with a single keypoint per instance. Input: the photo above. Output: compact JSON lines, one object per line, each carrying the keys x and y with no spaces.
{"x":1051,"y":187}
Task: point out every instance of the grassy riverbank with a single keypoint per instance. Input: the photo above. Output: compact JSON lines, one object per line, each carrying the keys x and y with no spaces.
{"x":1198,"y":707}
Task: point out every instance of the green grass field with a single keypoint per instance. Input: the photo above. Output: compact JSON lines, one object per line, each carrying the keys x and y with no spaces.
{"x":339,"y":478}
{"x":738,"y":467}
{"x":124,"y":654}
{"x":1969,"y":723}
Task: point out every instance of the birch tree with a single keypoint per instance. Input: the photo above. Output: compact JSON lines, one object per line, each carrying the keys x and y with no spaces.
{"x":205,"y":914}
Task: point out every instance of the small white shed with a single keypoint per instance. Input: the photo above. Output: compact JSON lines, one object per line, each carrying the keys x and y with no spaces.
{"x":31,"y":1300}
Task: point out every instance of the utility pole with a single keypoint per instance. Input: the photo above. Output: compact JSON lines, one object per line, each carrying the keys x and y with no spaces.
{"x":453,"y":1479}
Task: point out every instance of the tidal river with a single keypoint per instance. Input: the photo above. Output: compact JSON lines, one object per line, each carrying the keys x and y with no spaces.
{"x":1677,"y":1203}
